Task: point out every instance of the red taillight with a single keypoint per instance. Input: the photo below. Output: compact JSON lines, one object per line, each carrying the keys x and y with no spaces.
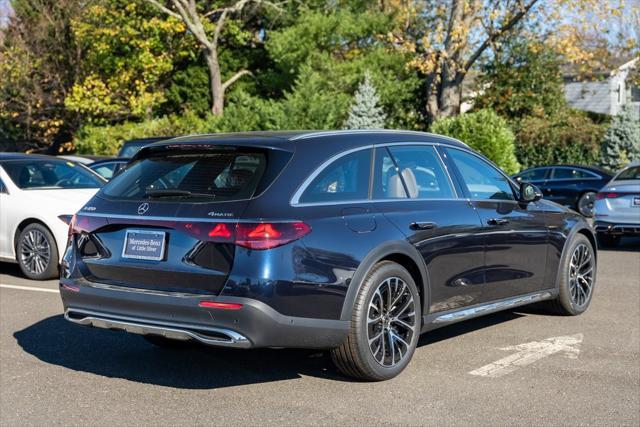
{"x":268,"y":235}
{"x":220,"y":305}
{"x":608,"y":195}
{"x":220,"y":231}
{"x":72,"y":226}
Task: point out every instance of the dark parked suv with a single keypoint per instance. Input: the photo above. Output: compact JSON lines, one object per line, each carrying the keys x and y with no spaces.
{"x":353,"y":241}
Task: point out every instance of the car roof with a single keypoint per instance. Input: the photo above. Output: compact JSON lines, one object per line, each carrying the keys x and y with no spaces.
{"x":143,"y":141}
{"x":589,"y":168}
{"x":114,"y":160}
{"x":25,"y":156}
{"x":290,"y":139}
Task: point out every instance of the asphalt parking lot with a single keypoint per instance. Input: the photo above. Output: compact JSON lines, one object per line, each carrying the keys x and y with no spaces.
{"x":517,"y":367}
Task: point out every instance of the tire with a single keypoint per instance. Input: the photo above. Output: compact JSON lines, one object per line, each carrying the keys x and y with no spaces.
{"x":608,"y":240}
{"x":37,"y":253}
{"x":577,"y":278}
{"x":395,"y":344}
{"x":163,"y":342}
{"x":585,"y":204}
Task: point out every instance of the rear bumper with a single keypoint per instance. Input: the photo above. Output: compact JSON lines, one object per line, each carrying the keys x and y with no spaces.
{"x":612,"y":228}
{"x":179,"y":317}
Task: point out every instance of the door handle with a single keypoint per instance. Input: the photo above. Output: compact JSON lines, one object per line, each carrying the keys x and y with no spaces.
{"x":498,"y":221}
{"x":422,"y":225}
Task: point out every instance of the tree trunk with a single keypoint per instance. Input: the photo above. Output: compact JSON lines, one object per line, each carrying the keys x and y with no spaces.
{"x":444,"y":97}
{"x":215,"y":82}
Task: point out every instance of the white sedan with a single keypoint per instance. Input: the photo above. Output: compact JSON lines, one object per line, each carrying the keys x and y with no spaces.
{"x":38,"y":197}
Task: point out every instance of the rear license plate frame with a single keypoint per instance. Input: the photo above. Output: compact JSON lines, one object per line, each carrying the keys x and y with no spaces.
{"x":156,"y":236}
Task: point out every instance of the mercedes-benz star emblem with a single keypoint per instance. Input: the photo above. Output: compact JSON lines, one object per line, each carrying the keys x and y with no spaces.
{"x":143,"y":208}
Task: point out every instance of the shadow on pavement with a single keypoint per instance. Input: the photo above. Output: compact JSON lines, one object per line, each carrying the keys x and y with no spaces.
{"x":627,"y":244}
{"x":11,"y":269}
{"x":120,"y":355}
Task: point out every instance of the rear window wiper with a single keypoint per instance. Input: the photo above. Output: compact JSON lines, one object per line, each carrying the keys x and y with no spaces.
{"x":158,"y":193}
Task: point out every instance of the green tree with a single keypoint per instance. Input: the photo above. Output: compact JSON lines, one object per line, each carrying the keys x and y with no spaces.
{"x":128,"y":54}
{"x":38,"y":63}
{"x":621,"y":143}
{"x":365,"y":113}
{"x":486,"y":132}
{"x":566,"y":137}
{"x":208,"y":22}
{"x":332,"y":47}
{"x":522,"y":79}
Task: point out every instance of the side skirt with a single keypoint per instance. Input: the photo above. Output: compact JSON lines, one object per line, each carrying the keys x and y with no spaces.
{"x":436,"y":320}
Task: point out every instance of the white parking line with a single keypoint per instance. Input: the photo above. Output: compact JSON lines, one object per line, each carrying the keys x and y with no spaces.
{"x":530,"y":352}
{"x":30,"y":288}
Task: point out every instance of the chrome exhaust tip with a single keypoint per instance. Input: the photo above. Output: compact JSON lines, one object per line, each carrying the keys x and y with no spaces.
{"x":219,"y":337}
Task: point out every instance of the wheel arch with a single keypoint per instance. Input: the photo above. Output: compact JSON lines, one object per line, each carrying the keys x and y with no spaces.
{"x":585,"y":230}
{"x":22,"y":225}
{"x":400,"y":252}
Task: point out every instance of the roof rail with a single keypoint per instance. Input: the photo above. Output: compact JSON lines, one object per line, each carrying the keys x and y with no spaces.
{"x":315,"y":134}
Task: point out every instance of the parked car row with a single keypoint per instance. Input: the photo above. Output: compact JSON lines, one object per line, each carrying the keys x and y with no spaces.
{"x":612,"y":199}
{"x":39,"y":194}
{"x":358,"y":243}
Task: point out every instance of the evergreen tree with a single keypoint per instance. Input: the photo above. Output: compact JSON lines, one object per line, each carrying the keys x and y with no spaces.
{"x":365,"y":113}
{"x":621,"y":143}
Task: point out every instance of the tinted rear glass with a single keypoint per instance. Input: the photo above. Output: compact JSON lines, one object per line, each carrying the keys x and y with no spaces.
{"x":50,"y":174}
{"x":630,"y":173}
{"x":196,"y":176}
{"x":130,"y":150}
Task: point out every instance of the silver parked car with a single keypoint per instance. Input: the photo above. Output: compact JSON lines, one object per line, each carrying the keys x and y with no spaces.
{"x":617,"y":206}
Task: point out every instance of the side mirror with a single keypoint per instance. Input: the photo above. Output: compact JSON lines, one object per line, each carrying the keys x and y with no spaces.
{"x":529,"y":193}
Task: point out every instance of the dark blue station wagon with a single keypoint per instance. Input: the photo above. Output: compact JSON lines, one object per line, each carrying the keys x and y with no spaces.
{"x":351,"y":241}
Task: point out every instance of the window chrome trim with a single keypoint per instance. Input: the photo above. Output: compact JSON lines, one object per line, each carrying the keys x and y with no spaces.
{"x":295,"y":199}
{"x":438,"y":159}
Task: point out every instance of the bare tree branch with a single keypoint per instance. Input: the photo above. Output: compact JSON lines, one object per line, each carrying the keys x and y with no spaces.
{"x":524,"y":9}
{"x":165,"y":9}
{"x":235,"y":77}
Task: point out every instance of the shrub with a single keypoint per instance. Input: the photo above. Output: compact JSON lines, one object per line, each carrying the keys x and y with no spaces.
{"x":486,"y":132}
{"x":567,"y":137}
{"x":621,"y":143}
{"x":106,"y":140}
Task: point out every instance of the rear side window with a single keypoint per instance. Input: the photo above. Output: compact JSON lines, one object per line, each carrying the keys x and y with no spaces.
{"x":533,"y":175}
{"x":345,"y":179}
{"x":413,"y":172}
{"x":204,"y":176}
{"x":570,"y":173}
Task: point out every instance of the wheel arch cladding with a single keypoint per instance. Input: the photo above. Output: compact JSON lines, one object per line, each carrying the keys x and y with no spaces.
{"x":400,"y":252}
{"x":585,"y":231}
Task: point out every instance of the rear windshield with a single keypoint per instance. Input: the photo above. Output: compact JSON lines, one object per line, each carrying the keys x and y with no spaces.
{"x":50,"y":174}
{"x":202,"y":176}
{"x":130,"y":149}
{"x":630,"y":173}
